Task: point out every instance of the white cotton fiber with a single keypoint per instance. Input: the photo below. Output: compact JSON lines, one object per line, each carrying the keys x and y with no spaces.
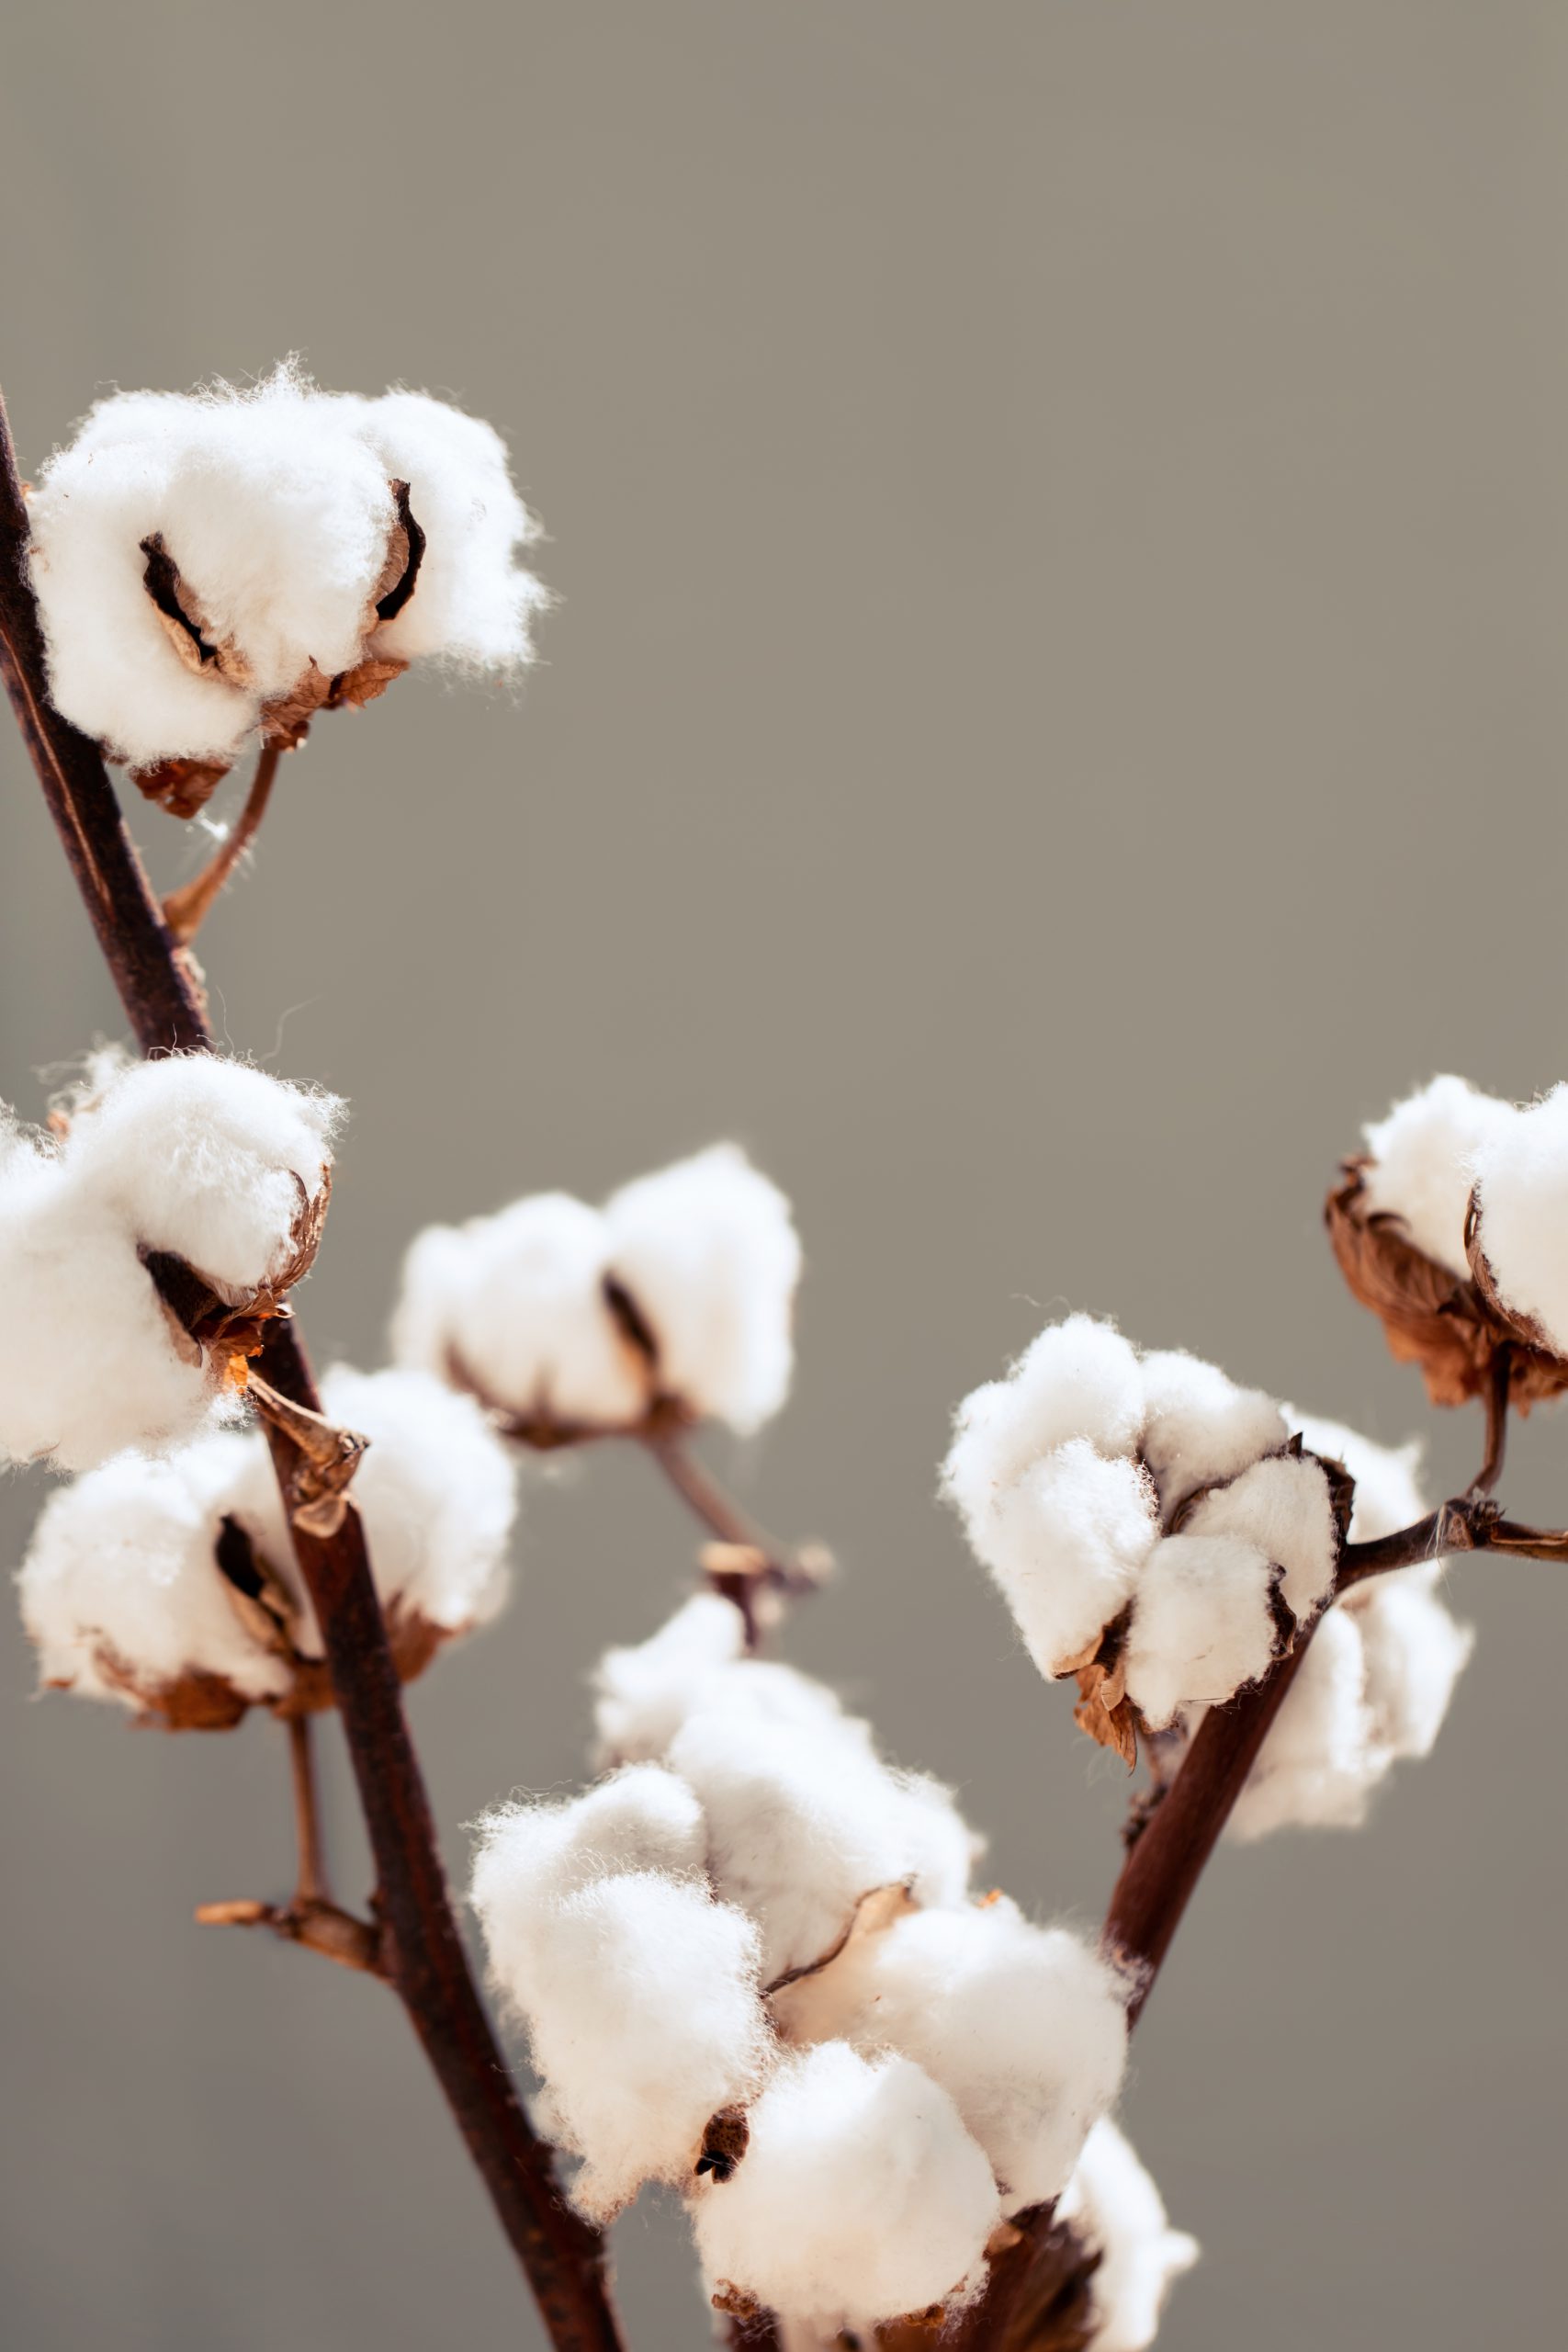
{"x":1199,"y":1427}
{"x":1415,"y":1655}
{"x":1321,"y":1761}
{"x":1282,"y":1506}
{"x":121,"y":1591}
{"x":514,"y":1305}
{"x":1076,"y":1379}
{"x":1201,"y":1625}
{"x":708,"y":1250}
{"x":1423,"y":1163}
{"x":692,"y":1665}
{"x":802,"y":1826}
{"x":1521,"y":1167}
{"x":1066,"y":1544}
{"x":1388,"y":1492}
{"x":861,"y":2196}
{"x":1115,"y":2207}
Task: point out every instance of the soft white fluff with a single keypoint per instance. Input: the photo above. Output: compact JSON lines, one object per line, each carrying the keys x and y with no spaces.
{"x":861,"y":2196}
{"x":1423,"y":1162}
{"x":120,"y":1574}
{"x":1201,"y":1625}
{"x":1065,"y":1544}
{"x":1025,"y":2025}
{"x":692,"y":1665}
{"x":276,"y":508}
{"x":1415,"y":1654}
{"x":1115,"y":2208}
{"x":801,"y":1825}
{"x":1521,"y":1167}
{"x":1076,"y":1379}
{"x":709,"y":1252}
{"x":514,"y":1303}
{"x":1199,"y":1425}
{"x":1320,"y":1761}
{"x":1388,"y":1490}
{"x":206,"y":1160}
{"x":1282,"y":1506}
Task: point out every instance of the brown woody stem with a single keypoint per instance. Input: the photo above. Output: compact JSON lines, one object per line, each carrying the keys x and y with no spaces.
{"x":760,"y":1562}
{"x":562,"y":2257}
{"x":187,"y":908}
{"x":310,"y":1884}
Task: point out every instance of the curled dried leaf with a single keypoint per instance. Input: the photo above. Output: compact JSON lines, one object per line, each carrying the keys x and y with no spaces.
{"x":182,"y":786}
{"x":1104,"y":1713}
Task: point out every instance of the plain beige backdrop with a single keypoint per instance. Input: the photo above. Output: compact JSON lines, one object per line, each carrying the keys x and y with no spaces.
{"x":1055,"y":714}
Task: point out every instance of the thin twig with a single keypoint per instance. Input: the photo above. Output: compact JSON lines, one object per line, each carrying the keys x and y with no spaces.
{"x":187,"y":908}
{"x":745,"y":1560}
{"x":562,"y":2257}
{"x":311,"y":1883}
{"x":318,"y":1925}
{"x":1496,"y":1401}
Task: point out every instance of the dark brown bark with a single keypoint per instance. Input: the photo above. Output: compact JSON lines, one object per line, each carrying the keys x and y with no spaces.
{"x":562,"y":2257}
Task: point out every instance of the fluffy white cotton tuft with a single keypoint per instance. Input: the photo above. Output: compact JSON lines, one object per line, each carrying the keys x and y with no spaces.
{"x":860,"y":2195}
{"x":1521,"y":1167}
{"x":802,"y":1824}
{"x":1199,"y":1427}
{"x":1282,"y":1506}
{"x":1115,"y":2208}
{"x":514,"y":1305}
{"x":1065,"y":1544}
{"x":1388,"y":1491}
{"x":1423,"y":1163}
{"x":1415,"y":1655}
{"x":708,"y":1250}
{"x":1076,"y":1379}
{"x":692,"y":1665}
{"x":1201,"y":1625}
{"x":1320,"y":1762}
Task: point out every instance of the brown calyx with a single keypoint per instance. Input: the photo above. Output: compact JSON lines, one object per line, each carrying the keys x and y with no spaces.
{"x":204,"y":1323}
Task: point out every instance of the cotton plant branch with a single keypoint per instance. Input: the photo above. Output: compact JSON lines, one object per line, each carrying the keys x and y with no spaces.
{"x":424,"y":1960}
{"x":187,"y":908}
{"x":310,"y":1917}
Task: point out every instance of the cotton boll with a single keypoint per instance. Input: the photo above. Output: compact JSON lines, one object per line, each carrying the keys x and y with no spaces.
{"x":861,"y":2196}
{"x":531,"y":1856}
{"x":801,"y":1827}
{"x":121,"y":1593}
{"x":1322,"y":1758}
{"x":1202,"y":1626}
{"x":513,"y":1304}
{"x":1066,"y":1544}
{"x":1388,"y":1493}
{"x":692,"y":1665}
{"x":1415,"y":1655}
{"x":640,"y":2000}
{"x":472,"y":602}
{"x":1199,"y":1427}
{"x":1423,"y":1161}
{"x":1024,"y":2026}
{"x":1521,"y":1168}
{"x":1282,"y":1505}
{"x":708,"y":1250}
{"x":1077,"y":1380}
{"x":1115,"y":2208}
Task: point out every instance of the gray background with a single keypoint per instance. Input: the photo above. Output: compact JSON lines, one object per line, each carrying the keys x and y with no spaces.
{"x":1055,"y":715}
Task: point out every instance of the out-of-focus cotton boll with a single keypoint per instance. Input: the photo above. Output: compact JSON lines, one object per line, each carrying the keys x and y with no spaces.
{"x":641,"y":2007}
{"x":1388,"y":1491}
{"x":1076,"y":1379}
{"x":1202,"y":1626}
{"x":1423,"y":1163}
{"x":707,"y":1252}
{"x":1199,"y":1427}
{"x":122,"y":1597}
{"x":1320,"y":1761}
{"x":1065,"y":1544}
{"x":1025,"y":2025}
{"x":1116,"y":2211}
{"x":801,"y":1827}
{"x":861,"y":2196}
{"x":530,"y":1856}
{"x":1521,"y":1168}
{"x":692,"y":1666}
{"x":513,"y":1307}
{"x":1415,"y":1654}
{"x":1282,"y":1506}
{"x":471,"y":603}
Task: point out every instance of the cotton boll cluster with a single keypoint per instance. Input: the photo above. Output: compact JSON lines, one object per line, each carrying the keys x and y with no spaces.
{"x":679,"y":1290}
{"x":192,"y":1160}
{"x":169,"y":1583}
{"x":1376,"y":1681}
{"x":1150,"y":1494}
{"x":1521,"y":1172}
{"x":212,"y":563}
{"x":1117,"y":2212}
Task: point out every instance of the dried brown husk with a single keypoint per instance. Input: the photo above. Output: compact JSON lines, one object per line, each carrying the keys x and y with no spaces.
{"x":1451,"y":1328}
{"x":229,"y":1331}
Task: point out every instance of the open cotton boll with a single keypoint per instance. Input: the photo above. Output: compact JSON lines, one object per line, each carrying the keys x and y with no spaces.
{"x":1388,"y":1492}
{"x":513,"y":1307}
{"x":531,"y":1855}
{"x":1199,"y":1427}
{"x":1066,"y":1544}
{"x":641,"y":2002}
{"x":1076,"y":1379}
{"x":204,"y":1158}
{"x":1202,"y":1626}
{"x":1282,"y":1505}
{"x":692,"y":1665}
{"x":1423,"y":1163}
{"x":801,"y":1827}
{"x":708,"y":1253}
{"x":1116,"y":2211}
{"x":1521,"y":1168}
{"x":1322,"y":1758}
{"x":1416,"y":1652}
{"x":472,"y":602}
{"x":121,"y":1595}
{"x":861,"y":2196}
